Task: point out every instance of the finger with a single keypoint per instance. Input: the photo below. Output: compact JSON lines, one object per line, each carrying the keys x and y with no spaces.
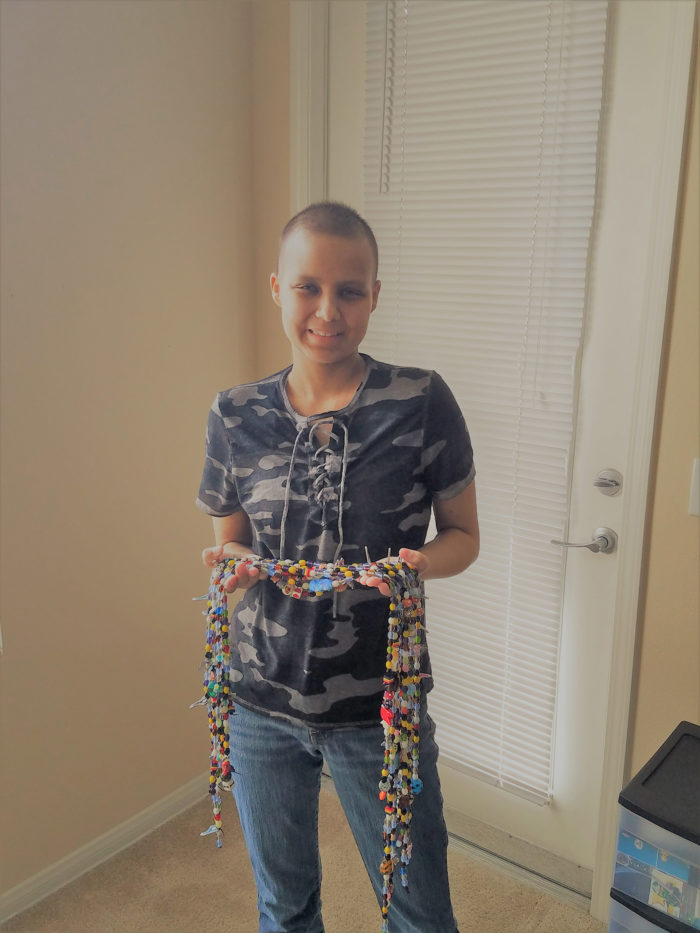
{"x":415,"y":559}
{"x":211,"y":556}
{"x":249,"y":576}
{"x":242,"y":579}
{"x":369,"y":580}
{"x":375,"y":582}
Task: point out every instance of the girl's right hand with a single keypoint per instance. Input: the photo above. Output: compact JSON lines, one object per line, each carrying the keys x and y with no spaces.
{"x":211,"y":556}
{"x":242,"y":579}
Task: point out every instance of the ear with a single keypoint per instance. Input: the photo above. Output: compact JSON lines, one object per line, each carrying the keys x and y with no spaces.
{"x":275,"y":289}
{"x":375,"y":293}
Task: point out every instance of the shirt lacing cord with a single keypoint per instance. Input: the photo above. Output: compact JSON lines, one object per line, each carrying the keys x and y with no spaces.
{"x":329,"y":463}
{"x":322,"y":474}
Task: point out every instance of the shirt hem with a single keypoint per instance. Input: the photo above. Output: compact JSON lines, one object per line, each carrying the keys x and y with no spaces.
{"x":214,"y":514}
{"x":308,"y":724}
{"x":426,"y":687}
{"x":456,"y":488}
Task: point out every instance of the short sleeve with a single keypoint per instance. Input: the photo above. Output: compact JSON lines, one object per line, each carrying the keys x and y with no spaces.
{"x":448,"y":459}
{"x":217,"y":492}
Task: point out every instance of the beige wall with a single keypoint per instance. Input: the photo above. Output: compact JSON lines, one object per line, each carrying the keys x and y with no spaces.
{"x":128,"y":154}
{"x":668,"y":687}
{"x":145,"y":176}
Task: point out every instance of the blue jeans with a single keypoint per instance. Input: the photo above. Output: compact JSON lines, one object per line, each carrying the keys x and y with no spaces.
{"x":278,"y":780}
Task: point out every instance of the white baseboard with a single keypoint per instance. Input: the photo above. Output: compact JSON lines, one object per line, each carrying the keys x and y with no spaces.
{"x":518,"y":873}
{"x":89,"y":856}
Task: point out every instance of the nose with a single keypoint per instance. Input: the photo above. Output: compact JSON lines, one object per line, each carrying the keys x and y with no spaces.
{"x":327,"y":309}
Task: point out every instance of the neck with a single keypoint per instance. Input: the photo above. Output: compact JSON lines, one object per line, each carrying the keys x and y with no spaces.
{"x":314,"y":389}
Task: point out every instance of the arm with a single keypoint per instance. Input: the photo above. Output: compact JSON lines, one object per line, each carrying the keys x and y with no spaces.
{"x":233,"y":536}
{"x":455,"y":546}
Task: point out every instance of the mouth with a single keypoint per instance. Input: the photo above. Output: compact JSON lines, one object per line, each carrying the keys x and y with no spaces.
{"x":321,"y":333}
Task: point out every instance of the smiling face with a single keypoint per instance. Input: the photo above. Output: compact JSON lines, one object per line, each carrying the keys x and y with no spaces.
{"x":326,"y":288}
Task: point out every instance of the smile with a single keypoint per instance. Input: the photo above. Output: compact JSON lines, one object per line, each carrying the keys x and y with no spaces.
{"x":318,"y":333}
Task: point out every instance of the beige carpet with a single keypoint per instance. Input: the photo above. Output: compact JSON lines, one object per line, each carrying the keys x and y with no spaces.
{"x":175,"y":882}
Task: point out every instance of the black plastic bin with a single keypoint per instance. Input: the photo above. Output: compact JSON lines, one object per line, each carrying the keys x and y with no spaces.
{"x":656,"y":885}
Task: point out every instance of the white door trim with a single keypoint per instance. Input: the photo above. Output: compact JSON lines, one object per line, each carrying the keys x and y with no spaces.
{"x":309,"y":71}
{"x":632,"y":531}
{"x":308,"y":101}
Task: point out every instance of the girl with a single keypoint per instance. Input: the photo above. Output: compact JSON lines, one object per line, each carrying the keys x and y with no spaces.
{"x":336,"y":456}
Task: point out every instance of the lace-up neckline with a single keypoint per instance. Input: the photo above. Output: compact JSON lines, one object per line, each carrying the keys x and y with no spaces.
{"x":308,"y":420}
{"x":329,"y":431}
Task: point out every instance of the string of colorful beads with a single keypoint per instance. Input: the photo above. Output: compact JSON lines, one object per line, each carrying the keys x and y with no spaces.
{"x":217,"y":696}
{"x":400,"y":708}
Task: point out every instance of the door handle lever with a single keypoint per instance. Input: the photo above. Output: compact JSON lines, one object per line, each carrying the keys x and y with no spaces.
{"x":604,"y":542}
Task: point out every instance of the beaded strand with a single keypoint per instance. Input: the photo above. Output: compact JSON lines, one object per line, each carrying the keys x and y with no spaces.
{"x":217,"y":696}
{"x":400,"y":708}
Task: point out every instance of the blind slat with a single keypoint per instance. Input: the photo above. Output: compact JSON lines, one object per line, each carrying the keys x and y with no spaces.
{"x":480,"y":169}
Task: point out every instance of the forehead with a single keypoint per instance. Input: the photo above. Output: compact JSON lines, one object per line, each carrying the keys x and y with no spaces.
{"x":324,"y":255}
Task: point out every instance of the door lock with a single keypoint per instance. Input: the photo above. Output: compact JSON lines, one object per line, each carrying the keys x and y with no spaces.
{"x":609,"y":482}
{"x":604,"y":541}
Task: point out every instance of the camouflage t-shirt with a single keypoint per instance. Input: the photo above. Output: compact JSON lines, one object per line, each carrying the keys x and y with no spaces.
{"x":400,"y":443}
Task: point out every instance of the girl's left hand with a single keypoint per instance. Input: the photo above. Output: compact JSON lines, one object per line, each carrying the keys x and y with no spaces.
{"x":417,"y":560}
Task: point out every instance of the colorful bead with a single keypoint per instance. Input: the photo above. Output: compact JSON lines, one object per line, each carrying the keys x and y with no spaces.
{"x":400,"y":708}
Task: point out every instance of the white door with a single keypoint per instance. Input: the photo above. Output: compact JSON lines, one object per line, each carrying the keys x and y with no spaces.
{"x":642,"y":131}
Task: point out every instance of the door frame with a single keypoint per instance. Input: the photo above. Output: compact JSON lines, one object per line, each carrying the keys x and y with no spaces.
{"x":309,"y":79}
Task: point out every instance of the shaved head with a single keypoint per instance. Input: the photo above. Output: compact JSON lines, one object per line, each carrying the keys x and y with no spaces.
{"x":333,"y":219}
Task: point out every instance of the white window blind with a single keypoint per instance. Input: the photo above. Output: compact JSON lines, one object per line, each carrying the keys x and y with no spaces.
{"x":480,"y":170}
